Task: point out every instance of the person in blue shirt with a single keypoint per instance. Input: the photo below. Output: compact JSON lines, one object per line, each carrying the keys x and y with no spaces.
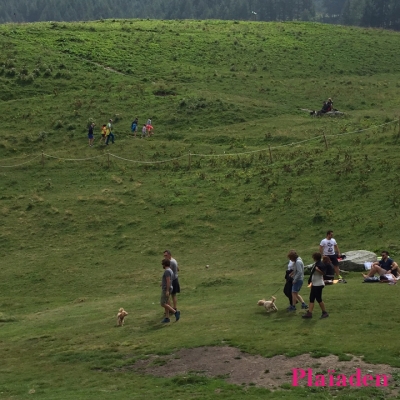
{"x":134,"y":126}
{"x":384,"y":266}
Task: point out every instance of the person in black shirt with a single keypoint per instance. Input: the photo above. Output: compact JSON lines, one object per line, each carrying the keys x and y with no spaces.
{"x":329,"y":274}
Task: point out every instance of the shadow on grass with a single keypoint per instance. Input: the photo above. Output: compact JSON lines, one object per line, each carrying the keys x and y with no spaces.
{"x":156,"y":324}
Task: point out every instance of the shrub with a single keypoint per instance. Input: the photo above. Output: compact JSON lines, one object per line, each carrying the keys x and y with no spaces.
{"x":58,"y":124}
{"x":11,"y":73}
{"x":22,"y":78}
{"x":10,"y":63}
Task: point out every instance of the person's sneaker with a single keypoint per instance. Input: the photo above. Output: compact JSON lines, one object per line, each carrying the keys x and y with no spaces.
{"x":340,"y":277}
{"x":304,"y":306}
{"x":165,"y":321}
{"x":324,"y":315}
{"x":177,"y":315}
{"x":292,"y":309}
{"x":288,"y":308}
{"x":308,"y":314}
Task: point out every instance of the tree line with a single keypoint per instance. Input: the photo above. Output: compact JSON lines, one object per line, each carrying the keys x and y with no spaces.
{"x":366,"y":13}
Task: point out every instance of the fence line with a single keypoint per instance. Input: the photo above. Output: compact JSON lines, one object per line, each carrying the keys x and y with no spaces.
{"x":195,"y":154}
{"x":18,"y":165}
{"x":147,"y":162}
{"x":73,"y":159}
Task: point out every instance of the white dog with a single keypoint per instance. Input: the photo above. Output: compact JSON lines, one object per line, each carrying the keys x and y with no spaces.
{"x":269,"y":305}
{"x":121,"y":317}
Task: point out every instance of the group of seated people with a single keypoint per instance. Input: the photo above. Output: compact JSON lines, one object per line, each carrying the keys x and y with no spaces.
{"x":327,"y":106}
{"x":385,"y":268}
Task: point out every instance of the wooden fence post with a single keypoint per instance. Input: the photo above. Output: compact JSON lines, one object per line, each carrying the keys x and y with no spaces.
{"x":326,"y":143}
{"x":270,"y":154}
{"x":42,"y":159}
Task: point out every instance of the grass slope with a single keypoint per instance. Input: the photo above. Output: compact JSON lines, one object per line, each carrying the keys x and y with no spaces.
{"x":80,"y":239}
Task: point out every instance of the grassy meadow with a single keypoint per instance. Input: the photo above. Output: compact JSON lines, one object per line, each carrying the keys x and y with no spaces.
{"x":235,"y":175}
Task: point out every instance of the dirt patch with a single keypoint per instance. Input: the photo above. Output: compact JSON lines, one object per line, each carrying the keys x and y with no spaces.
{"x":244,"y":369}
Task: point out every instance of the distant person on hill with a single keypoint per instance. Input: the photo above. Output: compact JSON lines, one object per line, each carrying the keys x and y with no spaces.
{"x":134,"y":126}
{"x":91,"y":134}
{"x":298,"y":276}
{"x":144,"y":131}
{"x":327,"y":106}
{"x":329,"y":247}
{"x":109,"y":132}
{"x":150,"y":130}
{"x":103,"y":133}
{"x":148,"y":122}
{"x":287,"y":290}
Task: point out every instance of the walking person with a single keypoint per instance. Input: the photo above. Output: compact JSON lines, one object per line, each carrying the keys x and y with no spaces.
{"x":329,"y":247}
{"x":103,"y":133}
{"x":144,"y":131}
{"x":298,"y":276}
{"x":317,"y":284}
{"x":287,"y":290}
{"x":166,"y":288}
{"x":175,"y":281}
{"x":91,"y":134}
{"x":134,"y":126}
{"x":109,"y":132}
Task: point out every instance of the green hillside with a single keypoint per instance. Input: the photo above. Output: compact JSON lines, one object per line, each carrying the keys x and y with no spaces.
{"x":235,"y":175}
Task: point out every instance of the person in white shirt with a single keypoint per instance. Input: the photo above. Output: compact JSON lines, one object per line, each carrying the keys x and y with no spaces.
{"x":329,"y":247}
{"x":317,"y":284}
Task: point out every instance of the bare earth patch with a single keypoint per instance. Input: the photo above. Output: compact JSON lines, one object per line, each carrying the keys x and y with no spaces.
{"x":242,"y":368}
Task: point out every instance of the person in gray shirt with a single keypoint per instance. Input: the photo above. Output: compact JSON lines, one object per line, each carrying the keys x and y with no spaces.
{"x":298,"y":277}
{"x":166,"y":287}
{"x":175,"y":281}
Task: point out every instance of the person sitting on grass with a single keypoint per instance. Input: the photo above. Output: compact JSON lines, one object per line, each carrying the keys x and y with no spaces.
{"x":385,"y":277}
{"x":387,"y":264}
{"x":329,"y":274}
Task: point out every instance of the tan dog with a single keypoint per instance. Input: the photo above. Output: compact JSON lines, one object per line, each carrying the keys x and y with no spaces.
{"x":269,"y":305}
{"x":121,"y":317}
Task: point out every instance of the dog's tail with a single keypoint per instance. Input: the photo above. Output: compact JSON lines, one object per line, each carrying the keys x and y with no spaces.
{"x":273,"y":298}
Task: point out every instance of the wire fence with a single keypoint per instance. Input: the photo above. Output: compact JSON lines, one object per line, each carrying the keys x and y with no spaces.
{"x":190,"y":155}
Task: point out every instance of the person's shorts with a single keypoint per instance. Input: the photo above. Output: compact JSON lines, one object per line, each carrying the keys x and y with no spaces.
{"x":175,"y":286}
{"x":297,"y":286}
{"x":334,"y":260}
{"x":164,"y":298}
{"x":90,"y":136}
